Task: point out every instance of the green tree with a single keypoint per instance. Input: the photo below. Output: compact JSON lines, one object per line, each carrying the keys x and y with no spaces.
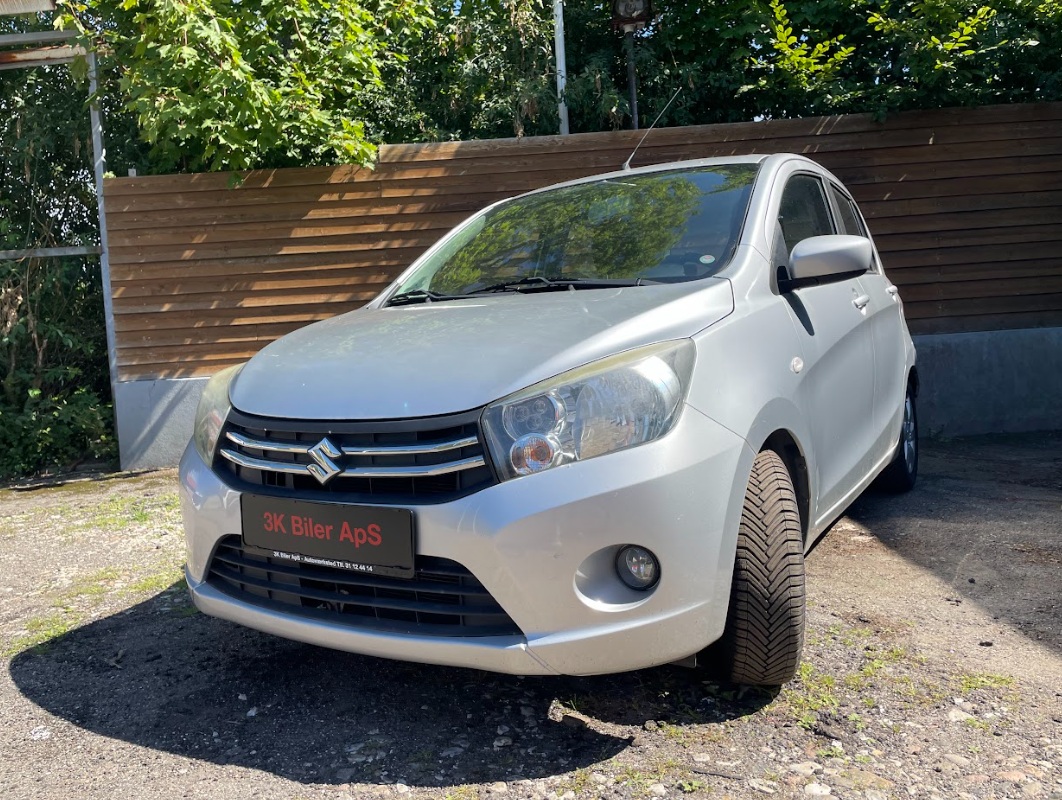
{"x":215,"y":85}
{"x":485,"y":70}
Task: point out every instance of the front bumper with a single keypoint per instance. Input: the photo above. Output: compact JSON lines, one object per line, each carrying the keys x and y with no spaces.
{"x":543,"y":546}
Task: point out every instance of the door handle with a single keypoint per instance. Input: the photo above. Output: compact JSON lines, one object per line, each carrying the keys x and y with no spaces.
{"x":894,"y":291}
{"x":861,"y":301}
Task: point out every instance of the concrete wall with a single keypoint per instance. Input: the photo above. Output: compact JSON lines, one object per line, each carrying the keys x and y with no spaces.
{"x":990,"y":382}
{"x":971,"y":383}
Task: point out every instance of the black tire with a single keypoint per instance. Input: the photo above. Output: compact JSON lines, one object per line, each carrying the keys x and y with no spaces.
{"x":765,"y":622}
{"x":902,"y":472}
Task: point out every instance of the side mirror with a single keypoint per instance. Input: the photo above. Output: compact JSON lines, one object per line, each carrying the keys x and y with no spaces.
{"x":826,"y":259}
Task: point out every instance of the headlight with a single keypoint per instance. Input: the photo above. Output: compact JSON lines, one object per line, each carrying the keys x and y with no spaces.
{"x":212,"y":412}
{"x":608,"y":405}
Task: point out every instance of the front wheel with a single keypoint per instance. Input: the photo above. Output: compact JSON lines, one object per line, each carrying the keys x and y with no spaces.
{"x":765,"y":622}
{"x":901,"y":474}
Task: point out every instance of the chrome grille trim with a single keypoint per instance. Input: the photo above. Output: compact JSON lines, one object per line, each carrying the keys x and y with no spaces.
{"x":418,"y":471}
{"x":423,"y":460}
{"x":411,"y":449}
{"x":267,"y":445}
{"x":273,"y":446}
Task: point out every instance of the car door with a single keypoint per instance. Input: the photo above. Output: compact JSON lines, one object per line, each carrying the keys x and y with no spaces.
{"x":837,"y":387}
{"x":885,"y":317}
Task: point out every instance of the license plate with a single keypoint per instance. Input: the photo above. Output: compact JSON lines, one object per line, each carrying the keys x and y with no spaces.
{"x":372,"y":539}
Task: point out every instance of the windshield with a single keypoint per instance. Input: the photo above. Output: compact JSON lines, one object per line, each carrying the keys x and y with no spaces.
{"x":658,"y":227}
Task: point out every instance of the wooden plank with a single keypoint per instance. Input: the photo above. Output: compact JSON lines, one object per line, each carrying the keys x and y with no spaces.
{"x":311,"y":196}
{"x":993,"y":289}
{"x":187,"y":370}
{"x":362,"y":277}
{"x":966,"y":220}
{"x":993,"y":254}
{"x":295,"y":212}
{"x":142,"y":356}
{"x":947,"y":273}
{"x":981,"y":305}
{"x":875,"y":210}
{"x":975,"y":151}
{"x":130,"y":324}
{"x":952,"y":187}
{"x":986,"y":322}
{"x":217,"y":181}
{"x":244,"y":301}
{"x":189,"y":338}
{"x":272,"y":247}
{"x":610,"y":154}
{"x":250,"y":231}
{"x":264,"y":265}
{"x":806,"y":127}
{"x":1011,"y":234}
{"x":950,"y":168}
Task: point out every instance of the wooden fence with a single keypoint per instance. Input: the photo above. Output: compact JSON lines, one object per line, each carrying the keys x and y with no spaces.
{"x":965,"y":205}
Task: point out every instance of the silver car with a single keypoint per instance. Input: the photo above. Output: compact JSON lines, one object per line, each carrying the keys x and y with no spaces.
{"x":594,"y":428}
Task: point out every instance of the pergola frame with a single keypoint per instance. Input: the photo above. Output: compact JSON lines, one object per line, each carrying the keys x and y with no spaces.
{"x":54,"y":47}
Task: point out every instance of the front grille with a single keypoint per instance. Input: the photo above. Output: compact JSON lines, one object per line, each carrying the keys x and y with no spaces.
{"x":442,"y":599}
{"x":428,"y":460}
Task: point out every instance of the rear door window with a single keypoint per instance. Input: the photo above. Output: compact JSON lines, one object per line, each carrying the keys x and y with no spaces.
{"x":850,"y":219}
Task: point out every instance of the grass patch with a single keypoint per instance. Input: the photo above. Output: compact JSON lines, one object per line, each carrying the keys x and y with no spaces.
{"x":170,"y":575}
{"x":88,"y":587}
{"x":689,"y":787}
{"x":39,"y":632}
{"x":973,"y":681}
{"x":119,"y":513}
{"x":812,"y":693}
{"x":463,"y":793}
{"x":639,"y":780}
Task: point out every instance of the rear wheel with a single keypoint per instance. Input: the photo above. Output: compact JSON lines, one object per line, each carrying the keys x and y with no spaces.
{"x":901,"y":474}
{"x":765,"y":622}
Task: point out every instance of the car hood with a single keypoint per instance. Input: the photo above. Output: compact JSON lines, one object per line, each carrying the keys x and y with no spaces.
{"x":445,"y":357}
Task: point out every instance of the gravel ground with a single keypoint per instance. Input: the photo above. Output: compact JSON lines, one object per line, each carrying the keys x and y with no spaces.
{"x":933,"y":668}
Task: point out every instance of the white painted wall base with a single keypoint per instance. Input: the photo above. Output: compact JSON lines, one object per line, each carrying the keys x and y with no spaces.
{"x":971,"y":383}
{"x":155,"y":420}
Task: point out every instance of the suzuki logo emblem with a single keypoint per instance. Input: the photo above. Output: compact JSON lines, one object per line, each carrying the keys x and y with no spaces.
{"x":324,"y":468}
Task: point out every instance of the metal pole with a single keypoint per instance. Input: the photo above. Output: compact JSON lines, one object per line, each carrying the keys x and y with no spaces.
{"x":562,"y":66}
{"x":632,"y":77}
{"x":99,"y":161}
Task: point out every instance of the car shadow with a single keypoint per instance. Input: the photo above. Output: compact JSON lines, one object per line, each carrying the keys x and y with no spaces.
{"x":161,"y":675}
{"x":985,"y":519}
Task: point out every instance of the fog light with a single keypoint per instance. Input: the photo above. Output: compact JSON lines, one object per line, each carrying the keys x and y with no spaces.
{"x":637,"y":567}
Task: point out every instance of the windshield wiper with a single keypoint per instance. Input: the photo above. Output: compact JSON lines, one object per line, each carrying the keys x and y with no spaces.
{"x":541,"y":284}
{"x":420,"y":296}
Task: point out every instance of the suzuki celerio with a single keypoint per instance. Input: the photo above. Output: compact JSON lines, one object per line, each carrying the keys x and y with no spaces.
{"x":594,"y":428}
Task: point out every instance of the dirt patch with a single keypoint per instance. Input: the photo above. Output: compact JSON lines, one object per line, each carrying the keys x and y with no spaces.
{"x":933,"y":669}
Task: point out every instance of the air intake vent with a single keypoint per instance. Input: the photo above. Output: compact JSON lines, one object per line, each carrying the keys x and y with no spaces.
{"x":442,"y":599}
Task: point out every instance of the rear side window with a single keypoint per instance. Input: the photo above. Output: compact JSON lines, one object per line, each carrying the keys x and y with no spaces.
{"x":850,"y":219}
{"x":804,"y":212}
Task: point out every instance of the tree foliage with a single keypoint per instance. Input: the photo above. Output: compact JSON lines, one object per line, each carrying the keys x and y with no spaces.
{"x":54,"y":384}
{"x":216,"y":86}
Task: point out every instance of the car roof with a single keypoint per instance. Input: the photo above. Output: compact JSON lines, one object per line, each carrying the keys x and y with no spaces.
{"x":672,"y":166}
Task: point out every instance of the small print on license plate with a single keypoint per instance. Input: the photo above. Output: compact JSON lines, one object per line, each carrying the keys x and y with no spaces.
{"x":371,"y":539}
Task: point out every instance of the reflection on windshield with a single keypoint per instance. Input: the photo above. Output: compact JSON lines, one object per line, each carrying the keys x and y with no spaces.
{"x":666,"y":226}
